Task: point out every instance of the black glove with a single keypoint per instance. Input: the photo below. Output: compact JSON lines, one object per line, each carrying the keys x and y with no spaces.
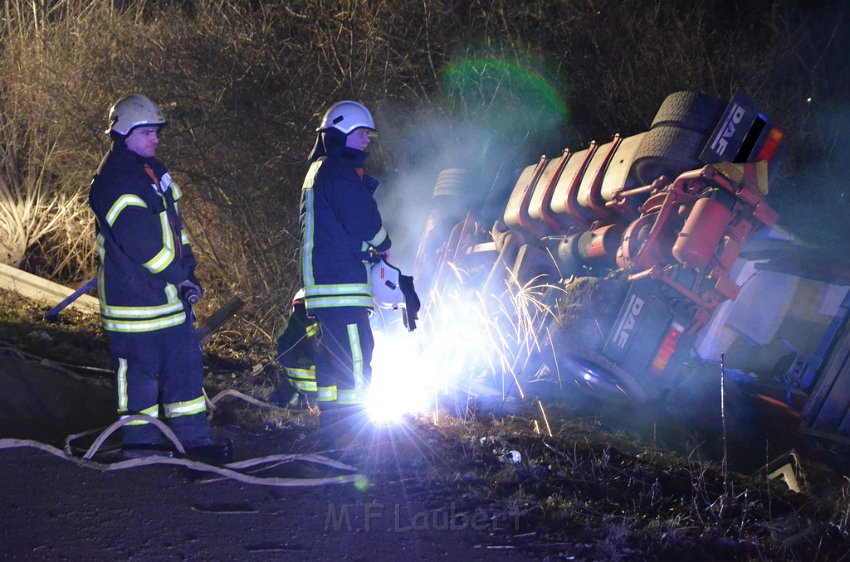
{"x":411,"y":302}
{"x":190,"y":291}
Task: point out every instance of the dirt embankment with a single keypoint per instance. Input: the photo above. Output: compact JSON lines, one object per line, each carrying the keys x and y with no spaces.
{"x":607,"y":484}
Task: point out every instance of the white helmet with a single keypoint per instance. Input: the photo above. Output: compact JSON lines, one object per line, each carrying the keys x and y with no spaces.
{"x":345,"y":116}
{"x":386,"y":286}
{"x":131,"y":111}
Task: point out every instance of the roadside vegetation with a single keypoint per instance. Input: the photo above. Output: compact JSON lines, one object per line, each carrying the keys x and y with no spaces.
{"x":243,"y":85}
{"x":452,"y":84}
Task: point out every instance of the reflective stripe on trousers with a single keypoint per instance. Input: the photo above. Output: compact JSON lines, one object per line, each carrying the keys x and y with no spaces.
{"x":344,"y":354}
{"x":161,"y":367}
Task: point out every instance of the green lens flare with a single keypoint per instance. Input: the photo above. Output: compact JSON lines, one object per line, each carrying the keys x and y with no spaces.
{"x":362,"y":483}
{"x":506,"y":96}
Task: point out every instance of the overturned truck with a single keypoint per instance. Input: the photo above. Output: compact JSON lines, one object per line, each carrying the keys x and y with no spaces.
{"x":654,"y":256}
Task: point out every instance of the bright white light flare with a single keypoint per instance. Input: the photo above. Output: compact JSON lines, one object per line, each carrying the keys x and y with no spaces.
{"x":412,"y":370}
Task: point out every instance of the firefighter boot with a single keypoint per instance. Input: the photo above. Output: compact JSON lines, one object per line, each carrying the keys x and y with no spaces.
{"x":196,"y":435}
{"x":287,"y":396}
{"x":144,"y":440}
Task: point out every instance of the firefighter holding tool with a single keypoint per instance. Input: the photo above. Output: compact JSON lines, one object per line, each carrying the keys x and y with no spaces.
{"x":146,"y":286}
{"x":341,"y":228}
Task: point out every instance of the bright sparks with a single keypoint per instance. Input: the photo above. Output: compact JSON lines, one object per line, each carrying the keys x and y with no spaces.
{"x":464,"y":347}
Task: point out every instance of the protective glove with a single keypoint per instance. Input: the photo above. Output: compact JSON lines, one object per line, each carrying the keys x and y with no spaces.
{"x":190,"y":292}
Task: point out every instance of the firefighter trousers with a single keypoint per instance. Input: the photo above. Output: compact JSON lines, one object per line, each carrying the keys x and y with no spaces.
{"x":343,"y":356}
{"x":162,"y":367}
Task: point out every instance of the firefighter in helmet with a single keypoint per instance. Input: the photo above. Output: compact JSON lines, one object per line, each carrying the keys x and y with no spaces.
{"x":296,"y":353}
{"x":146,"y":286}
{"x":341,"y":229}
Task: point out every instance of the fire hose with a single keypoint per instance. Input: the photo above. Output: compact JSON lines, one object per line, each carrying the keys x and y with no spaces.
{"x":230,"y":470}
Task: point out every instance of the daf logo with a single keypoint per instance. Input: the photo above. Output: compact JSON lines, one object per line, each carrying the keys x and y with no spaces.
{"x":621,"y":337}
{"x":721,"y":143}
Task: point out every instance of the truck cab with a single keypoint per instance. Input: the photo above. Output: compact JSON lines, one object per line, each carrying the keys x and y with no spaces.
{"x":664,"y":218}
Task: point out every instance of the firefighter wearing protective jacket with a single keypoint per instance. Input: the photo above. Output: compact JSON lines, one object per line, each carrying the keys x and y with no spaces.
{"x":296,"y":353}
{"x":146,"y":287}
{"x":340,"y":229}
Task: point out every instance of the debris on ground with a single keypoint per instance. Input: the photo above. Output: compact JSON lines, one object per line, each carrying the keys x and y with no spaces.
{"x":590,"y":491}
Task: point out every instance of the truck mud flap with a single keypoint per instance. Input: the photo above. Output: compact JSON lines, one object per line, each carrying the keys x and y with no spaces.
{"x":647,"y":338}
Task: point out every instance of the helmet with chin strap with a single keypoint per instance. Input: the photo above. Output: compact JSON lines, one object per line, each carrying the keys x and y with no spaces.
{"x":391,"y":290}
{"x":386,"y":286}
{"x":346,"y":116}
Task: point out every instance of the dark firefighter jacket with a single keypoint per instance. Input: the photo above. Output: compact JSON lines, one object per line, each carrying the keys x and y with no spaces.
{"x":340,"y":222}
{"x":142,"y":248}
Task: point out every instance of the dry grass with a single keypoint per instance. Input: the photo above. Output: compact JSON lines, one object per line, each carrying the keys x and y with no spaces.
{"x":598,"y":496}
{"x":243,"y":85}
{"x":29,"y":210}
{"x":587,"y":490}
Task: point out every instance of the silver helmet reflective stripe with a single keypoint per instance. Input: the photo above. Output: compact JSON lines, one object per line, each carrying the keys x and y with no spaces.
{"x":346,"y":116}
{"x":131,"y":111}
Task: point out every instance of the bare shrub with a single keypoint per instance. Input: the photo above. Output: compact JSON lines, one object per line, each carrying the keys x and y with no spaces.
{"x":47,"y":132}
{"x":32,"y":209}
{"x":243,"y":85}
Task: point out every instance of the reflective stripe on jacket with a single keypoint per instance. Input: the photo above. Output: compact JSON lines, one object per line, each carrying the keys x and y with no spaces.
{"x":340,"y":223}
{"x":143,"y":250}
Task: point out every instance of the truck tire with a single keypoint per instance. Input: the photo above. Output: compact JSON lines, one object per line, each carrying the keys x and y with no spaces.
{"x":452,"y":182}
{"x":601,"y":378}
{"x":667,"y":151}
{"x":453,"y":194}
{"x":689,"y":110}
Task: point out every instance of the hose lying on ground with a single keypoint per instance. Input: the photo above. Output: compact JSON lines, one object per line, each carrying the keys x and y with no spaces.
{"x":230,"y":470}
